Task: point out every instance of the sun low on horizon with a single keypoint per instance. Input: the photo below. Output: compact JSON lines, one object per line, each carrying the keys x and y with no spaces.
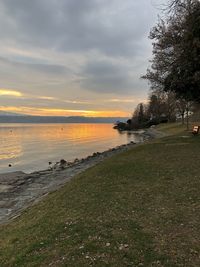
{"x":74,"y":58}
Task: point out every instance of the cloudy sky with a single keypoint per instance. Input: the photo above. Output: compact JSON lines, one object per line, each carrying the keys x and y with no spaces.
{"x":74,"y":57}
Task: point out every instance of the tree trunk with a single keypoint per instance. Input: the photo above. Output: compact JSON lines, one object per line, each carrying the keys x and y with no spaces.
{"x":182,"y":119}
{"x":187,"y":116}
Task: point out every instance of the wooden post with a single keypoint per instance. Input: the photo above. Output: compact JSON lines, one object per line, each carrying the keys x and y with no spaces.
{"x":187,"y":116}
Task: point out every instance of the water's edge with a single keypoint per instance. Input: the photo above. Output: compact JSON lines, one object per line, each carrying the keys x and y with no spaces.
{"x":30,"y":148}
{"x":19,"y":190}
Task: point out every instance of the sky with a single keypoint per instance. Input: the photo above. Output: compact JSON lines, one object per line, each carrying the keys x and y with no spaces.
{"x":75,"y":57}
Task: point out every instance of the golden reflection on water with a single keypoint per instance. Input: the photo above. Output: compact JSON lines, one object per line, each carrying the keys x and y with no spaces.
{"x":60,"y":132}
{"x":10,"y":145}
{"x":30,"y":146}
{"x":15,"y":137}
{"x":9,"y":153}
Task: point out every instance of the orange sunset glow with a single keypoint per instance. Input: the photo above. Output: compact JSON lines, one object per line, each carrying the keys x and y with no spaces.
{"x":63,"y":112}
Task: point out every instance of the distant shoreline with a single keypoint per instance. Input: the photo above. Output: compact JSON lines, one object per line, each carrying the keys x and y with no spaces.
{"x":54,"y":122}
{"x":57,"y":119}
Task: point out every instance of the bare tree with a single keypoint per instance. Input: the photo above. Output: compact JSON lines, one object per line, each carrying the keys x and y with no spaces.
{"x":181,"y":105}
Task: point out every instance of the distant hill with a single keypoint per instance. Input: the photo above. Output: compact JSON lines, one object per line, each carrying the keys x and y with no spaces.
{"x":5,"y":113}
{"x":8,"y":117}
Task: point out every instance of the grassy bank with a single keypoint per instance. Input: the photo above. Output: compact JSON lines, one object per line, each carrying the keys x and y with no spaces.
{"x":139,"y":208}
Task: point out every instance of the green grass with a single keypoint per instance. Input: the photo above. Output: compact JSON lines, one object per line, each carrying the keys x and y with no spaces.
{"x":139,"y":208}
{"x":172,"y":128}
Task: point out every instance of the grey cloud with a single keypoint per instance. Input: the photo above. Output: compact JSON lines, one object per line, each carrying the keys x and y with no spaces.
{"x":35,"y":78}
{"x":71,"y":48}
{"x":45,"y":68}
{"x":31,"y":101}
{"x":106,"y":77}
{"x":45,"y":103}
{"x":80,"y":25}
{"x":50,"y":69}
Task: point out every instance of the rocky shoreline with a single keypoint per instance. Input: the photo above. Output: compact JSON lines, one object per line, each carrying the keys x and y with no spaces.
{"x":19,"y":190}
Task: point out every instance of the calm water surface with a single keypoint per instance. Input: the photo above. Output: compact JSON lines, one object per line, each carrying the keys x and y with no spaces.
{"x":29,"y":147}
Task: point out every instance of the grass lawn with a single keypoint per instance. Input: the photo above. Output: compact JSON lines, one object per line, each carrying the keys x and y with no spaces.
{"x":138,"y":208}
